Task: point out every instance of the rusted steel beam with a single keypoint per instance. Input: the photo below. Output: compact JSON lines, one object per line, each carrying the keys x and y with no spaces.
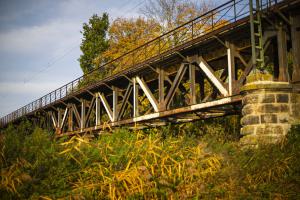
{"x":161,"y":88}
{"x":98,"y":110}
{"x":135,"y":98}
{"x":192,"y":76}
{"x":115,"y":103}
{"x":295,"y":33}
{"x":282,"y":54}
{"x":231,"y":67}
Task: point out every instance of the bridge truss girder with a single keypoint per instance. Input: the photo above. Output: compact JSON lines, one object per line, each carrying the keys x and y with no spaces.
{"x":196,"y":80}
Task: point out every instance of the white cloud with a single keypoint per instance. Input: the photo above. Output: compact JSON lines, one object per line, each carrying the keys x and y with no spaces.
{"x":40,"y":39}
{"x":31,"y":88}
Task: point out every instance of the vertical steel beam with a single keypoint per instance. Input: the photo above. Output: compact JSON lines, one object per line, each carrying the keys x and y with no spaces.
{"x":98,"y":113}
{"x":161,"y":89}
{"x":115,"y":104}
{"x":282,"y":54}
{"x":295,"y":29}
{"x":70,"y":118}
{"x":135,"y":98}
{"x":192,"y":77}
{"x":231,"y":67}
{"x":83,"y":117}
{"x":59,"y":118}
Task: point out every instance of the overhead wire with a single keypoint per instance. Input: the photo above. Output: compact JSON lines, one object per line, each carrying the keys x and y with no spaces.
{"x":132,"y":8}
{"x":51,"y":63}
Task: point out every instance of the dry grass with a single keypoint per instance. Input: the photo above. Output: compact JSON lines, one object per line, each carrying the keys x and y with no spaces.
{"x":150,"y":165}
{"x":167,"y":163}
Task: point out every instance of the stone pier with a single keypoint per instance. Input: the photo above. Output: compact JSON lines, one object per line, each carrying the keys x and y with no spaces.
{"x":269,"y":110}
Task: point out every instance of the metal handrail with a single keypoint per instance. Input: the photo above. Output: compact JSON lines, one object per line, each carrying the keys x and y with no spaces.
{"x":212,"y":20}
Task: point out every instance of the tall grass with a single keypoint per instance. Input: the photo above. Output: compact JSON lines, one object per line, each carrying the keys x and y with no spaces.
{"x":200,"y":160}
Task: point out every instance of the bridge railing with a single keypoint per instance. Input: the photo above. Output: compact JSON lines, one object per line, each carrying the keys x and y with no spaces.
{"x":208,"y":22}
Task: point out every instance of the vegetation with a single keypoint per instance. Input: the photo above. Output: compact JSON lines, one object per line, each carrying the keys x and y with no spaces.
{"x":172,"y":13}
{"x":200,"y":161}
{"x":94,"y":41}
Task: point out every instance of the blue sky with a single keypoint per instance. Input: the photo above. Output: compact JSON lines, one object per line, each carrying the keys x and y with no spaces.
{"x":39,"y":44}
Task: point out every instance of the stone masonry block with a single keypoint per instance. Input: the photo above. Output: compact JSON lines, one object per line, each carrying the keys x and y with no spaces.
{"x":295,"y":98}
{"x":268,"y":108}
{"x":254,"y":141}
{"x":248,"y":130}
{"x":250,"y":98}
{"x":277,"y":129}
{"x":250,"y":119}
{"x":250,"y":141}
{"x":282,"y":98}
{"x":248,"y":109}
{"x":269,"y":138}
{"x":268,"y":98}
{"x":273,"y":108}
{"x":268,"y":118}
{"x":283,"y":118}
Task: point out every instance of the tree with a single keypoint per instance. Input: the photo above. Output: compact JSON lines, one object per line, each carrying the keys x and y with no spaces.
{"x":125,"y":35}
{"x":94,"y":41}
{"x":172,"y":13}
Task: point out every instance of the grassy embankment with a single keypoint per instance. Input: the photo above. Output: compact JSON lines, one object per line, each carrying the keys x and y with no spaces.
{"x":187,"y":161}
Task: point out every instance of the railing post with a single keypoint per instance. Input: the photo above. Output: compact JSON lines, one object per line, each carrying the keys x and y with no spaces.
{"x":192,"y":29}
{"x":159,"y":46}
{"x":234,"y":9}
{"x":212,"y":21}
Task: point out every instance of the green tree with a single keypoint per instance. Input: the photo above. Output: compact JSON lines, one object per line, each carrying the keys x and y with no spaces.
{"x":94,"y":41}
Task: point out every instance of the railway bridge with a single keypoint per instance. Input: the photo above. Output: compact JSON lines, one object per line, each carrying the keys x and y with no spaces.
{"x":242,"y":57}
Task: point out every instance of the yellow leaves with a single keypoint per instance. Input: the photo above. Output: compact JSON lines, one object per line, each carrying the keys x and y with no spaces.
{"x":72,"y":148}
{"x":45,"y":198}
{"x":148,"y":163}
{"x":12,"y":176}
{"x":126,"y":35}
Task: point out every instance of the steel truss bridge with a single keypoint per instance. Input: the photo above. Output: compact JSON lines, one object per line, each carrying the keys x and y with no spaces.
{"x":192,"y":72}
